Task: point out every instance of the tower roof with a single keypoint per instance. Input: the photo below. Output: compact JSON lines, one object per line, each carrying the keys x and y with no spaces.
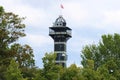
{"x":60,"y":22}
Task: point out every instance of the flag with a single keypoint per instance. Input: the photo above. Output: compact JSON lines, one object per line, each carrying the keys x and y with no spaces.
{"x":62,"y":6}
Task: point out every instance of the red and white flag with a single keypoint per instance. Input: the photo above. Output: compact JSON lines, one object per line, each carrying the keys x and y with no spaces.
{"x":62,"y":6}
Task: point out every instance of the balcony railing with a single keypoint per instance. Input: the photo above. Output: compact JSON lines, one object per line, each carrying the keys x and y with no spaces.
{"x":68,"y":32}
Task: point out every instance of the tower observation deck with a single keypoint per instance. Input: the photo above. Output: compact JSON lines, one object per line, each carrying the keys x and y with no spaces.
{"x":60,"y":33}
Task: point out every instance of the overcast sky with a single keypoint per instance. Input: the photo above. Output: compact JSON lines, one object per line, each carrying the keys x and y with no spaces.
{"x":88,"y":19}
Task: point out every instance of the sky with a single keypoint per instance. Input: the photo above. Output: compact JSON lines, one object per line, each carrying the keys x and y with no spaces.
{"x":88,"y":19}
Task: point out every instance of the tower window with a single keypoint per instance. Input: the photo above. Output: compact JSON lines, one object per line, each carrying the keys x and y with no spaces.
{"x":64,"y":24}
{"x":60,"y":47}
{"x":60,"y":57}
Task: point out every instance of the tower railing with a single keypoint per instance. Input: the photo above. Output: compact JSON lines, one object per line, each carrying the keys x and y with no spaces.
{"x":68,"y":32}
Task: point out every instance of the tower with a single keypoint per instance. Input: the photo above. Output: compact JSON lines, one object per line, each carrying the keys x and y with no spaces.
{"x":60,"y":33}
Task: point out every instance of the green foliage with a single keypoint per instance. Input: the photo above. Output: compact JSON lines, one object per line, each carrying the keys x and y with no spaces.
{"x":105,"y":56}
{"x":89,"y":73}
{"x":92,"y":53}
{"x":11,"y":29}
{"x":39,"y":75}
{"x":23,"y":55}
{"x":29,"y":73}
{"x":51,"y":70}
{"x":13,"y":72}
{"x":1,"y":10}
{"x":72,"y":73}
{"x":49,"y":60}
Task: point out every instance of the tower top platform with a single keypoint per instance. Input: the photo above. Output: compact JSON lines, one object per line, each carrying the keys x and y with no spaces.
{"x":59,"y":22}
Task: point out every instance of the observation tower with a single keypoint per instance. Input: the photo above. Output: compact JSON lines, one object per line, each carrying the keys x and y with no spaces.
{"x":60,"y":33}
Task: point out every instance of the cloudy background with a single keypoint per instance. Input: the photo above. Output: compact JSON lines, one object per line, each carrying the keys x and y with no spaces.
{"x":88,"y":19}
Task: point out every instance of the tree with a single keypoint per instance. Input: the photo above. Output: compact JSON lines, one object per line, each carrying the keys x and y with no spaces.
{"x":72,"y":73}
{"x":11,"y":29}
{"x":51,"y":71}
{"x":105,"y":73}
{"x":107,"y":52}
{"x":13,"y":72}
{"x":39,"y":75}
{"x":23,"y":55}
{"x":89,"y":73}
